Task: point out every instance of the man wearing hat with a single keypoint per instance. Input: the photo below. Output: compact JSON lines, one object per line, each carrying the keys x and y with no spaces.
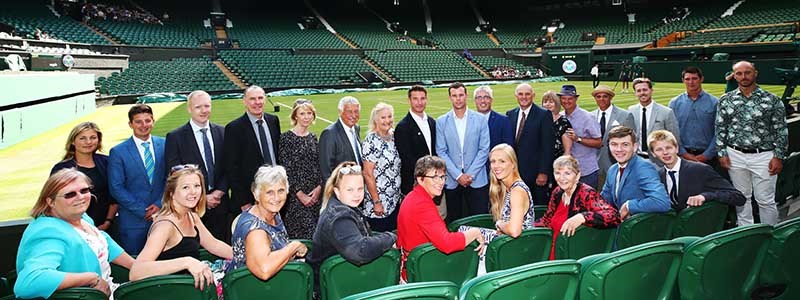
{"x":608,"y":116}
{"x":585,"y":135}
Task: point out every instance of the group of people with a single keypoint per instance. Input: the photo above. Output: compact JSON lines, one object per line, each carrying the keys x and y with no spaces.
{"x":100,"y":11}
{"x":504,"y":72}
{"x":167,"y":197}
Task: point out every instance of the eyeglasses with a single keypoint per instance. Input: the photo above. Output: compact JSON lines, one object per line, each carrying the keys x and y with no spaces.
{"x":354,"y":169}
{"x":434,"y":177}
{"x":74,"y":194}
{"x":181,"y":167}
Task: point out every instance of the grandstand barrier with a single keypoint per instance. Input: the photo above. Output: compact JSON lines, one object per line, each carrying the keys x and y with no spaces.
{"x":68,"y":95}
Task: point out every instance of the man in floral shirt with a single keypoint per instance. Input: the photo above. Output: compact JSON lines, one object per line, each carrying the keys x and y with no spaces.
{"x":752,"y":140}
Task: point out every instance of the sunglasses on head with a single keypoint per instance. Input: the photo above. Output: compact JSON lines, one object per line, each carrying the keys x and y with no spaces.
{"x":354,"y":169}
{"x":181,"y":167}
{"x":74,"y":194}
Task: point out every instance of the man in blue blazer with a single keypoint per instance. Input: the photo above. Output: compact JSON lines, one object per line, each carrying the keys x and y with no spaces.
{"x":689,"y":183}
{"x":533,"y":141}
{"x":136,"y":176}
{"x":199,"y":142}
{"x":462,"y":141}
{"x":632,"y":184}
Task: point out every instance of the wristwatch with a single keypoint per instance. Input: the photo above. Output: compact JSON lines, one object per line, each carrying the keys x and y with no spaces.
{"x":580,"y":140}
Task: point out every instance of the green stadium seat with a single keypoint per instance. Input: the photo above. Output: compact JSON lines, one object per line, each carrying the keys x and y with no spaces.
{"x":482,"y":221}
{"x":340,"y":278}
{"x":164,"y":287}
{"x":78,"y":293}
{"x":724,"y":265}
{"x":532,"y":245}
{"x":645,"y":227}
{"x":586,"y":241}
{"x":432,"y":290}
{"x":294,"y":281}
{"x":781,"y":268}
{"x":650,"y":268}
{"x":542,"y":280}
{"x":700,"y":220}
{"x":426,"y":263}
{"x":539,"y":210}
{"x":207,"y":256}
{"x":119,"y":273}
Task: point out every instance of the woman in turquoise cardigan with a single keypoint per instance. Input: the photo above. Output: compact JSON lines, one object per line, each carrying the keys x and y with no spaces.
{"x":61,"y":248}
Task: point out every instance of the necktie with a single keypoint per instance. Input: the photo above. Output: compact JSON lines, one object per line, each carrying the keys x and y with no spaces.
{"x":149,"y":163}
{"x":673,"y":192}
{"x":209,"y":158}
{"x":266,"y":144}
{"x":644,"y":129}
{"x":355,"y":145}
{"x":521,"y":126}
{"x":603,"y":124}
{"x":619,"y":181}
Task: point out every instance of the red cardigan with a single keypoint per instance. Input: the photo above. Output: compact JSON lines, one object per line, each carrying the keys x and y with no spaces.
{"x":418,"y":222}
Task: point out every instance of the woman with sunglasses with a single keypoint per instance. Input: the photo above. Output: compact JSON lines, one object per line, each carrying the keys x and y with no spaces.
{"x":342,"y":228}
{"x":83,"y":142}
{"x":299,"y":155}
{"x":174,"y":241}
{"x":61,"y":248}
{"x":260,"y":242}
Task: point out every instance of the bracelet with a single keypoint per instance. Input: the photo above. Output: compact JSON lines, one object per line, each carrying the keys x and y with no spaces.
{"x":96,"y":282}
{"x":109,"y":220}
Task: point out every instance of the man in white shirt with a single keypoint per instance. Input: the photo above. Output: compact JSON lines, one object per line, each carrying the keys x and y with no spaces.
{"x":199,"y":142}
{"x":414,"y":136}
{"x":650,"y":116}
{"x":595,"y":72}
{"x":608,"y":116}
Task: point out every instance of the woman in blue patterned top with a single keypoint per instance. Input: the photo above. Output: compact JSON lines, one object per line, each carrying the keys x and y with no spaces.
{"x":259,"y":239}
{"x":381,"y":170}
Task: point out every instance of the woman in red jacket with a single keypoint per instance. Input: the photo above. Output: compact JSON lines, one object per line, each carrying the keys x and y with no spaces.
{"x":573,"y":203}
{"x":418,"y":221}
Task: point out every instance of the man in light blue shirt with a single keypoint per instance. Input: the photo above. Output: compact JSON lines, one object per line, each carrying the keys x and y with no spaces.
{"x":462,"y":141}
{"x":696,"y":112}
{"x":585,"y":135}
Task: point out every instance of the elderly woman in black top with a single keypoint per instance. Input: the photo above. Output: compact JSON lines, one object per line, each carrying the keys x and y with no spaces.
{"x":341,"y":228}
{"x":83,"y":142}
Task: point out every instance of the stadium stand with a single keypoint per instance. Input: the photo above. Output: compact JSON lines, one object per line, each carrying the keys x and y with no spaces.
{"x":489,"y":63}
{"x":179,"y":34}
{"x":417,"y":66}
{"x":752,"y":12}
{"x":365,"y":30}
{"x":28,"y":16}
{"x":177,"y":75}
{"x":281,"y":68}
{"x":740,"y":35}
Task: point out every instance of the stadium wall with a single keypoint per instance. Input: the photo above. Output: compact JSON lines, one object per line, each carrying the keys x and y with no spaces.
{"x":35,"y":102}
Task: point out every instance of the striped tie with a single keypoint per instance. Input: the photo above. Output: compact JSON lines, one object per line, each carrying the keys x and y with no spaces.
{"x":149,"y":163}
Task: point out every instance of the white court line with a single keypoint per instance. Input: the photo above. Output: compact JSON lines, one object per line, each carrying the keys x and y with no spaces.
{"x":318,"y":117}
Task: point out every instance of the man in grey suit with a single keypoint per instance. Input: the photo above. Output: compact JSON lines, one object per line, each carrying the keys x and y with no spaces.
{"x":341,"y":141}
{"x":609,"y":116}
{"x":650,"y":116}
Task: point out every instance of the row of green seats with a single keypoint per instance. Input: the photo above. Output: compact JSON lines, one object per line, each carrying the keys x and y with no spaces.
{"x":739,"y":263}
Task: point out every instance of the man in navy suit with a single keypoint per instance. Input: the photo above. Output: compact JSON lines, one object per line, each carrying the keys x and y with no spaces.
{"x":137,"y":174}
{"x":199,"y":142}
{"x":632,"y":184}
{"x":250,"y":141}
{"x":533,"y":141}
{"x":690,"y":183}
{"x":462,"y":141}
{"x":341,"y":141}
{"x":500,"y":131}
{"x":414,"y":136}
